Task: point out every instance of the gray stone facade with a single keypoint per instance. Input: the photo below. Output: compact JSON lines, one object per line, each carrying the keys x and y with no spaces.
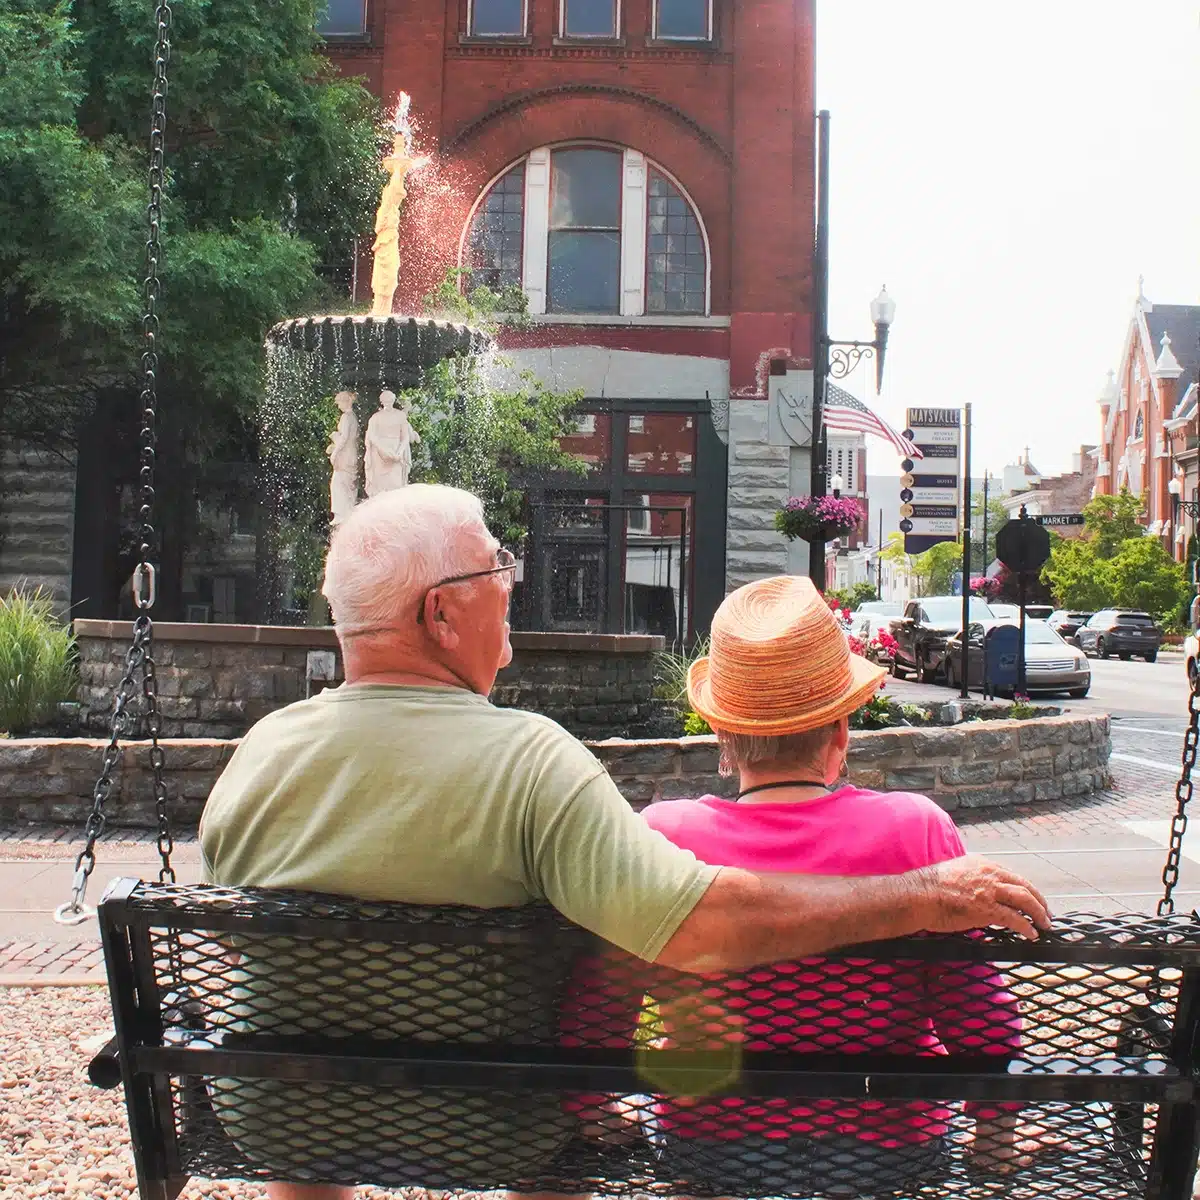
{"x":979,"y":764}
{"x":215,"y":681}
{"x":37,"y":522}
{"x":759,"y":478}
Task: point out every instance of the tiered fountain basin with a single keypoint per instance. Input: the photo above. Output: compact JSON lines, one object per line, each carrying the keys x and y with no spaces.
{"x":391,"y":352}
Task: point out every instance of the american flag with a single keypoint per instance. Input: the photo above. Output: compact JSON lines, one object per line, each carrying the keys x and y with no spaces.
{"x":847,"y":412}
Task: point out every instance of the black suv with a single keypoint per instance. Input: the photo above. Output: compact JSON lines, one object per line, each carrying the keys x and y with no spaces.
{"x":1121,"y":631}
{"x":1066,"y":623}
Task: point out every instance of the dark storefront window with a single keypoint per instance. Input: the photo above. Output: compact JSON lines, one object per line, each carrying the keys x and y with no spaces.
{"x":657,"y":564}
{"x":591,"y":440}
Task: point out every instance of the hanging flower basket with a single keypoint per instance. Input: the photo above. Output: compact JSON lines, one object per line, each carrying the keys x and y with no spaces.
{"x":826,"y":517}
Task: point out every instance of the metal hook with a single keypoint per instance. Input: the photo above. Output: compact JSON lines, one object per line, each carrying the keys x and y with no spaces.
{"x":75,"y":911}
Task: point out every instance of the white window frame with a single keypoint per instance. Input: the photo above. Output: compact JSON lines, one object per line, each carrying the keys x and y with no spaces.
{"x":524,"y":30}
{"x":642,"y":515}
{"x":635,"y":190}
{"x":658,"y":37}
{"x":589,"y":37}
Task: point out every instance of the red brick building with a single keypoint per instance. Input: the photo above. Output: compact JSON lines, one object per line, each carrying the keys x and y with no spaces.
{"x":1148,"y":418}
{"x":644,"y":169}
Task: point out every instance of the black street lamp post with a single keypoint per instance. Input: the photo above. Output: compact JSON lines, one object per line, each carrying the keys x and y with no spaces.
{"x":834,"y":359}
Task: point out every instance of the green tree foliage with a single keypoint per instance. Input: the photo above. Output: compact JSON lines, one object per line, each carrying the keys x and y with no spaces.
{"x":933,"y":571}
{"x":1111,"y":520}
{"x":1115,"y":564}
{"x":1076,"y":577}
{"x":271,"y":171}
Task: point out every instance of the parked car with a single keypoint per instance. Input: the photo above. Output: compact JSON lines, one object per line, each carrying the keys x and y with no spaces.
{"x":1051,"y":664}
{"x":1121,"y":631}
{"x":1039,"y":612}
{"x":1066,"y":622}
{"x":922,"y":632}
{"x":1003,"y":611}
{"x":883,"y":608}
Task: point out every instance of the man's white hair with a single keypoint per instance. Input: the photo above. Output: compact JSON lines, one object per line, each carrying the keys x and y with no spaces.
{"x":392,"y":549}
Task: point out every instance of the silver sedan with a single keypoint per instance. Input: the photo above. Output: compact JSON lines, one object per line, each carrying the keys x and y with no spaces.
{"x":1051,"y":665}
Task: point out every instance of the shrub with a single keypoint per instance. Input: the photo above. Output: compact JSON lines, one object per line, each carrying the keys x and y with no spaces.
{"x":37,"y":661}
{"x":671,"y":672}
{"x":694,"y":725}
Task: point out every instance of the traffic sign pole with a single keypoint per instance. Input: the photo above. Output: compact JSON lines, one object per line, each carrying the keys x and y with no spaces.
{"x":966,"y":547}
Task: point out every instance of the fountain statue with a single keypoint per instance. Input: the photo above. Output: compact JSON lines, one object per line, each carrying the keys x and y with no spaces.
{"x":388,"y":454}
{"x":343,"y":458}
{"x":385,"y":270}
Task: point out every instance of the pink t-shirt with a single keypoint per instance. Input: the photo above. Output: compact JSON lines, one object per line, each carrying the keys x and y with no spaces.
{"x":844,"y":1007}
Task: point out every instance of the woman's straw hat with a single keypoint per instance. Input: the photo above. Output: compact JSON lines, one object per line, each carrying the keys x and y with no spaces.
{"x":779,"y":663}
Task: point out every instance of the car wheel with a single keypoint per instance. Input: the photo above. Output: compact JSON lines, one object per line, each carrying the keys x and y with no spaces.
{"x":1078,"y":693}
{"x":898,"y":672}
{"x":1124,"y":655}
{"x":1192,"y":673}
{"x":1102,"y":648}
{"x":1152,"y":656}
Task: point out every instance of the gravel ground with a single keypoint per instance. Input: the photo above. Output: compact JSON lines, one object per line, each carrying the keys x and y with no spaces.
{"x":59,"y":1136}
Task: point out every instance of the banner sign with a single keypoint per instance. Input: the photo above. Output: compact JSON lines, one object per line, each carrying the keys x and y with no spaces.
{"x":929,"y":509}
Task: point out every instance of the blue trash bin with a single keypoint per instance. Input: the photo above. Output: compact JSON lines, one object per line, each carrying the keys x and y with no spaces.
{"x":1000,"y":658}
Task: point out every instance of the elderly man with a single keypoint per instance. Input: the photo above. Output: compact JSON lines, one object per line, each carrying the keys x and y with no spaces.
{"x":406,"y":784}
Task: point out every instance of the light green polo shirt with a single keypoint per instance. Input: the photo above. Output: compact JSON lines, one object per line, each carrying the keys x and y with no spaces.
{"x":431,"y":796}
{"x":434,"y":796}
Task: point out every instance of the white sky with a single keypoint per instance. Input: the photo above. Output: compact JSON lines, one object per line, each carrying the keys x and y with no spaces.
{"x":1008,"y":171}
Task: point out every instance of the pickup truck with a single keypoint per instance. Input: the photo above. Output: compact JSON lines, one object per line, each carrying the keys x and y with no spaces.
{"x":922,"y":633}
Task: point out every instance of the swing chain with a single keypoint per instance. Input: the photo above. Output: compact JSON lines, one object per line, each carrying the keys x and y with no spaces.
{"x":1183,"y":795}
{"x":139,"y":659}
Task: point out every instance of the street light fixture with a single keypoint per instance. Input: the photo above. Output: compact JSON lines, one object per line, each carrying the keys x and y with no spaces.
{"x":836,"y":483}
{"x":845,"y":356}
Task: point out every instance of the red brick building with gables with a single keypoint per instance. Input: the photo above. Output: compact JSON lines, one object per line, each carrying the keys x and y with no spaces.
{"x":1148,"y":418}
{"x":644,"y":170}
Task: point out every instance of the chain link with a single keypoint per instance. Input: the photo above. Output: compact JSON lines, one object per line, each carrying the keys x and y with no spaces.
{"x":139,"y":660}
{"x":1183,"y":796}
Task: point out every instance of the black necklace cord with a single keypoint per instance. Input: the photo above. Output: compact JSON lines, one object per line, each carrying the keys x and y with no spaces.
{"x":783,"y":783}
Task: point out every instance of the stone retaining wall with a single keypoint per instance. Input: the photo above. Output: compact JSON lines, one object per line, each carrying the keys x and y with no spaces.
{"x":215,"y":681}
{"x":973,"y":765}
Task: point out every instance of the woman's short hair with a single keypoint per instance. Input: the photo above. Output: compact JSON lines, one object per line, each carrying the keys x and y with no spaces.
{"x":740,"y":750}
{"x":392,"y":549}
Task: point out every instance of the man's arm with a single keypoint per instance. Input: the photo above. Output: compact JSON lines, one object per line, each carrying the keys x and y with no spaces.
{"x":745,"y":919}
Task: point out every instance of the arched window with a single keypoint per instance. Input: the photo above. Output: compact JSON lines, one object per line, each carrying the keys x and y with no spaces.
{"x":591,"y":230}
{"x":495,"y":245}
{"x":675,"y":267}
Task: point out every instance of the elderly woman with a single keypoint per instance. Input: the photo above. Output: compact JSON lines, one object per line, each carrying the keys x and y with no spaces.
{"x":778,"y":688}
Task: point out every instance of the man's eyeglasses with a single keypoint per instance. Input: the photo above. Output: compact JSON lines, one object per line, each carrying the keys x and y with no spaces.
{"x":506,"y":562}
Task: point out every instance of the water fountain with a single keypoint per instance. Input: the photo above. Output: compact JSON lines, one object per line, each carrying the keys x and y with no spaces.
{"x":366,"y":362}
{"x":379,"y":349}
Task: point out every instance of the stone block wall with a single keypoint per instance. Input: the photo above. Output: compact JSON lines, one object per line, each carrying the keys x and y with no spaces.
{"x":215,"y":681}
{"x":980,"y":764}
{"x":977,"y":764}
{"x":595,"y":685}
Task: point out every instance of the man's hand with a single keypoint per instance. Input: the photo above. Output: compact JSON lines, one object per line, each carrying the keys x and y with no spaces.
{"x":972,"y":893}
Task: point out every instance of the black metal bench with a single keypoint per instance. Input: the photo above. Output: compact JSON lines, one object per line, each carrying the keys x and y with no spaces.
{"x":274,"y":1035}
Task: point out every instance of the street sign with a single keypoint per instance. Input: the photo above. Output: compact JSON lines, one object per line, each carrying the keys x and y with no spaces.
{"x":1052,"y":520}
{"x":1022,"y":545}
{"x":930,"y":487}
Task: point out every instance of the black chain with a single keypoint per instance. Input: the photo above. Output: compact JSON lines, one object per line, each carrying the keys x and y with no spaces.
{"x":140,"y":657}
{"x":1183,"y":795}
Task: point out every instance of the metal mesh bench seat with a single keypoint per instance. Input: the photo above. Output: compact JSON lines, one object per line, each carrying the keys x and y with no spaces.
{"x":267,"y":1034}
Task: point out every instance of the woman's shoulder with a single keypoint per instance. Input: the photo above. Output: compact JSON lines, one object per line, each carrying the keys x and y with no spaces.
{"x":913,"y":819}
{"x":668,"y":815}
